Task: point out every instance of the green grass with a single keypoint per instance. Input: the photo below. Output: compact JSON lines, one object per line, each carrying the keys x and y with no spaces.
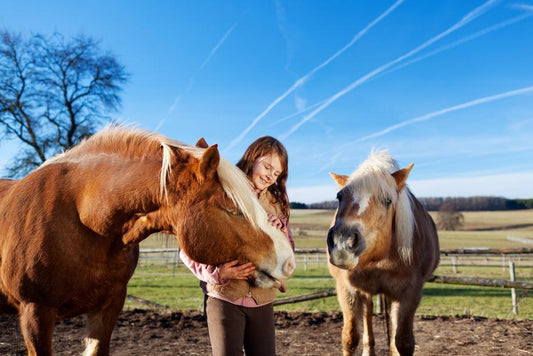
{"x":175,"y":286}
{"x":178,"y":289}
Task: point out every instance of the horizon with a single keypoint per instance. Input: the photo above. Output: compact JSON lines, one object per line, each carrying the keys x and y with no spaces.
{"x":446,"y":85}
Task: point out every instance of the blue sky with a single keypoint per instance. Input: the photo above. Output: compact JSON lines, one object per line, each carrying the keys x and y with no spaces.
{"x":445,"y":84}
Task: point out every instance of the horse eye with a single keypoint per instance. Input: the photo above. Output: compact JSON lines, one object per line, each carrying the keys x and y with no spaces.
{"x":234,"y":212}
{"x":388,"y":202}
{"x":339,"y":197}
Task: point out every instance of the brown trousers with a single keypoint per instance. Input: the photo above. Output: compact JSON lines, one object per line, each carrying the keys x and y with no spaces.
{"x":233,"y":327}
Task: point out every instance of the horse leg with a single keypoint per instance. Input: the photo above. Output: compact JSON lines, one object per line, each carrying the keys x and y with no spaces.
{"x":402,"y":318}
{"x":100,"y":325}
{"x":368,"y":333}
{"x":37,"y":326}
{"x":349,"y":304}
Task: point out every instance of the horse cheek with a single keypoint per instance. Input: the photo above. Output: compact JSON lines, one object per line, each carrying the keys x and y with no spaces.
{"x":377,"y":233}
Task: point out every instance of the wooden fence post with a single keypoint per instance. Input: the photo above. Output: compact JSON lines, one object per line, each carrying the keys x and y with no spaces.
{"x":513,"y":290}
{"x":454,"y":264}
{"x":379,"y":305}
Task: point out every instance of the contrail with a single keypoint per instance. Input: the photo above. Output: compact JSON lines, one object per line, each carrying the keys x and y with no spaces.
{"x":191,"y":81}
{"x":486,"y":31}
{"x":303,"y":79}
{"x":285,"y":118}
{"x":425,"y":117}
{"x":178,"y":98}
{"x":476,"y":102}
{"x":465,"y":20}
{"x":215,"y":49}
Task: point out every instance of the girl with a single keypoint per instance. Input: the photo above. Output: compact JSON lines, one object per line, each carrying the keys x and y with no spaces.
{"x":240,"y":315}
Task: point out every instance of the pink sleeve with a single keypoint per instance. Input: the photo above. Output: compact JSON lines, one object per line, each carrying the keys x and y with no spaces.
{"x":206,"y":273}
{"x":288,"y":233}
{"x":289,"y":236}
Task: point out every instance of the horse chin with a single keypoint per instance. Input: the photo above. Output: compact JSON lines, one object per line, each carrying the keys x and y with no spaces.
{"x":343,"y":259}
{"x":264,"y":280}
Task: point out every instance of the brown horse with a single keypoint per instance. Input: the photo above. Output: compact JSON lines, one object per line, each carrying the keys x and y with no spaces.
{"x":382,"y":242}
{"x":70,"y":230}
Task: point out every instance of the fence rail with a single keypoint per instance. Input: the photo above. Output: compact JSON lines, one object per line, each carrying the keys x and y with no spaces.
{"x":303,"y":256}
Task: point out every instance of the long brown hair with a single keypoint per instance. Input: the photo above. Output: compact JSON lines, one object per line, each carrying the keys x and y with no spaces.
{"x":265,"y":146}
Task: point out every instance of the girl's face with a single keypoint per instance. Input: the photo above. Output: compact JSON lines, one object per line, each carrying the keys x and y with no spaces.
{"x":265,"y":172}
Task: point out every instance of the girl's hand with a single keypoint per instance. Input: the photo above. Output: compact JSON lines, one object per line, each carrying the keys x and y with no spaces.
{"x":276,"y":222}
{"x":232,"y":270}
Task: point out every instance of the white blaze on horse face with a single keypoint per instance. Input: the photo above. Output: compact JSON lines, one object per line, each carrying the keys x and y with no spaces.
{"x":363,"y":203}
{"x":286,"y":264}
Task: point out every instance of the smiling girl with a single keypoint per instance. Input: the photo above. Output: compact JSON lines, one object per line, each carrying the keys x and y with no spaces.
{"x":240,"y":315}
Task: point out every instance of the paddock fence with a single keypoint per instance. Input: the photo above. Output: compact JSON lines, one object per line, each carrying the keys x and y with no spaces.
{"x":456,"y":259}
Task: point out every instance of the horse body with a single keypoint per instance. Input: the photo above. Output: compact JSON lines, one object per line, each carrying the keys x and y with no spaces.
{"x":69,"y":231}
{"x":382,"y":242}
{"x":43,"y":234}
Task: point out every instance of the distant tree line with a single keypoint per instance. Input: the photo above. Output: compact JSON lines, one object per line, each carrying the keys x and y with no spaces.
{"x":478,"y":203}
{"x":330,"y":204}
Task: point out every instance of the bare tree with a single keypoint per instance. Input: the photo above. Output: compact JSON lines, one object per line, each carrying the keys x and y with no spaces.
{"x":54,"y":93}
{"x":448,"y":218}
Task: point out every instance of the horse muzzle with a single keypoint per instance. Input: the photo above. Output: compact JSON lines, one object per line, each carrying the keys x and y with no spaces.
{"x":268,"y":278}
{"x":344,"y":247}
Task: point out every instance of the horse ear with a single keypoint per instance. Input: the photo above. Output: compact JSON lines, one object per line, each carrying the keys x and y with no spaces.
{"x":401,"y":176}
{"x":339,"y":179}
{"x":201,"y":143}
{"x":209,"y":162}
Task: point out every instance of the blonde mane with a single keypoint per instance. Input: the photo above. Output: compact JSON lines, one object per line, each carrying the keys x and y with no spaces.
{"x":373,"y":177}
{"x":237,"y":186}
{"x":135,"y":143}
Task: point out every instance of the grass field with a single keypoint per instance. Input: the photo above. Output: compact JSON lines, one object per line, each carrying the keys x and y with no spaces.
{"x":173,"y":285}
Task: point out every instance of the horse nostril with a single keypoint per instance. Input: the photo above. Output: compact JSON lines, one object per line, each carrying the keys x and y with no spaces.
{"x":353,"y":241}
{"x":289,"y":266}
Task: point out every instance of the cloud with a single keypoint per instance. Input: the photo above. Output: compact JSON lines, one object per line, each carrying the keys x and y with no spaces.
{"x":515,"y":185}
{"x":307,"y":76}
{"x":511,"y":185}
{"x":312,"y":194}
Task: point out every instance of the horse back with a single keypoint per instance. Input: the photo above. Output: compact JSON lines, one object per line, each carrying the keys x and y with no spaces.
{"x":5,"y":185}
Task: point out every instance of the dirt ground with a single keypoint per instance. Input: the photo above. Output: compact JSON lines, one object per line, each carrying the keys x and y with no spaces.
{"x":156,"y":332}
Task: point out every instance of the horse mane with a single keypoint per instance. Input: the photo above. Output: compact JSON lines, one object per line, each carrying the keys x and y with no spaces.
{"x":374,"y":176}
{"x":136,"y":143}
{"x":238,"y":188}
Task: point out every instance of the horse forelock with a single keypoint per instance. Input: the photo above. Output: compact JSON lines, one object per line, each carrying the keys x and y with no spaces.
{"x":373,"y":178}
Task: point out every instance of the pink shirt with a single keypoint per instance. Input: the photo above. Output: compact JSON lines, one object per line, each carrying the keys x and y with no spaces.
{"x":211,"y":274}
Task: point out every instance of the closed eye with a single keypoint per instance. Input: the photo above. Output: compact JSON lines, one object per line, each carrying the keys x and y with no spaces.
{"x":234,"y":212}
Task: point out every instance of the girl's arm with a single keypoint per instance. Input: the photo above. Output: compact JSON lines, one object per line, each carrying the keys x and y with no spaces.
{"x":288,"y":233}
{"x":218,"y":274}
{"x":206,"y":273}
{"x":283,"y":225}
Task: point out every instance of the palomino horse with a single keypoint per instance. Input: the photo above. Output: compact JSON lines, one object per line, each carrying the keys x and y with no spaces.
{"x":382,"y":241}
{"x":70,"y":230}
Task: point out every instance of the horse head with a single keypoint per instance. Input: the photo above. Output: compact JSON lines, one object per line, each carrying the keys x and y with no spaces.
{"x":372,"y":221}
{"x":221,"y":220}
